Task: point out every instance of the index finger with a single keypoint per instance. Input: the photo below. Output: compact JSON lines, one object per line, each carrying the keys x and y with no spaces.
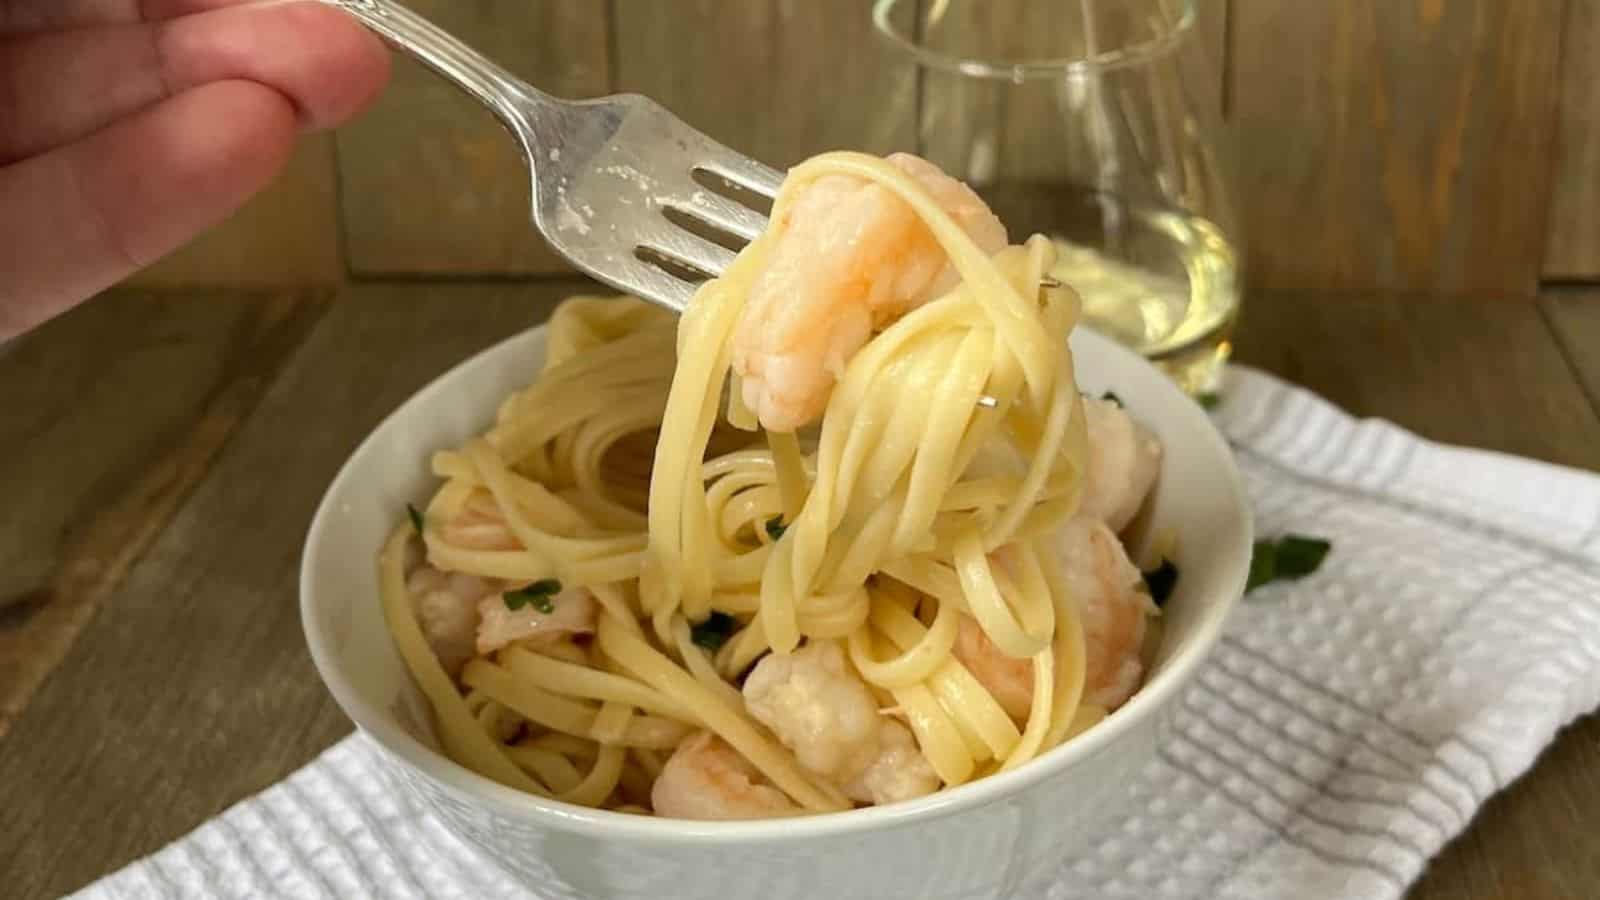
{"x":93,"y":212}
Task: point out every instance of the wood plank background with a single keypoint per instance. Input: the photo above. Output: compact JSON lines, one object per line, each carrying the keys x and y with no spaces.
{"x":726,"y":68}
{"x":1572,"y":242}
{"x":88,"y":498}
{"x":223,"y":570}
{"x":1416,"y":145}
{"x":431,"y":183}
{"x":1398,"y":145}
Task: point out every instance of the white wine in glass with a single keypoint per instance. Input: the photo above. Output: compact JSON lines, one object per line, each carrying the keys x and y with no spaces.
{"x":1093,"y":122}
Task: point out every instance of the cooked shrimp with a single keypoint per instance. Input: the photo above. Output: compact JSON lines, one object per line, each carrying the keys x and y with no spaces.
{"x":572,"y":611}
{"x":1107,"y":584}
{"x":707,"y":779}
{"x":1114,"y":609}
{"x":818,"y":707}
{"x":1124,"y":458}
{"x":1008,"y":679}
{"x":822,"y":710}
{"x":446,"y":608}
{"x":898,"y":772}
{"x":480,"y":526}
{"x":851,"y":257}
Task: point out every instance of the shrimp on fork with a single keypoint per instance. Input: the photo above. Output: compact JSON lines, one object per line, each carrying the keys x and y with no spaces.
{"x":850,"y":258}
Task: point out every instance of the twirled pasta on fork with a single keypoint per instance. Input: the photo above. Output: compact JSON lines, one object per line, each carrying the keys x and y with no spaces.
{"x":846,"y":533}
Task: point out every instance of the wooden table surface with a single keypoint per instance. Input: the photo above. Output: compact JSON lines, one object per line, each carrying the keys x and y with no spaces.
{"x":164,"y":453}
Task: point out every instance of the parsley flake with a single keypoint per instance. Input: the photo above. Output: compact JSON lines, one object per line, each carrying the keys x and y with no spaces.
{"x":1209,"y":400}
{"x":775,"y":527}
{"x":714,"y":631}
{"x":541,"y":594}
{"x":1161,"y":580}
{"x":1287,"y":558}
{"x":416,"y":517}
{"x":1299,"y":556}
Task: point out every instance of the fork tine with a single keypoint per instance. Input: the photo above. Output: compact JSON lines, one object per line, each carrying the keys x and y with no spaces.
{"x":721,"y":213}
{"x":745,"y":172}
{"x":642,"y":279}
{"x":689,"y":249}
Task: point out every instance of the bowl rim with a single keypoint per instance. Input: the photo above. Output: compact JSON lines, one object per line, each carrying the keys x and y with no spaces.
{"x":472,"y":787}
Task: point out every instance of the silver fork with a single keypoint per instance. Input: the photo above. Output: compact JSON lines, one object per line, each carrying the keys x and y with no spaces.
{"x":607,"y":173}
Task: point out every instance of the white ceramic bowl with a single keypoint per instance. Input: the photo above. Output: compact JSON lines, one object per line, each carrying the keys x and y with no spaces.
{"x":985,"y":839}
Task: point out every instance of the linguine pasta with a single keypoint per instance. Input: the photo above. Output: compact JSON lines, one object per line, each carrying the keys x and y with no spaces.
{"x":632,"y":473}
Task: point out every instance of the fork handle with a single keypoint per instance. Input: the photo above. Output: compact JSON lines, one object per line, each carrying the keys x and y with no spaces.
{"x":442,"y":52}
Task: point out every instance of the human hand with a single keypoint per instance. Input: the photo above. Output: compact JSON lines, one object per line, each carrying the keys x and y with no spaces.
{"x":129,"y":126}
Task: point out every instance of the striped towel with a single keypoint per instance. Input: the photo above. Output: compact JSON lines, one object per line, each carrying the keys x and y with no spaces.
{"x":1349,"y":724}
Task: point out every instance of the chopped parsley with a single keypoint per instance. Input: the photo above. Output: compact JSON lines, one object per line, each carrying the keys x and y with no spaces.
{"x":1209,"y":399}
{"x":541,"y":595}
{"x":1300,"y":556}
{"x":416,"y":517}
{"x":1288,"y":558}
{"x":1112,"y":398}
{"x":1161,"y":580}
{"x":775,"y":527}
{"x":714,"y":631}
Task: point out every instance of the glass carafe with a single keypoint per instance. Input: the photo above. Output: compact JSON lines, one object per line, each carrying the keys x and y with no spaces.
{"x":1095,"y":122}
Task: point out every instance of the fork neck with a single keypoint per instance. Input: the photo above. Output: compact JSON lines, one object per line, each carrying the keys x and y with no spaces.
{"x":505,"y":94}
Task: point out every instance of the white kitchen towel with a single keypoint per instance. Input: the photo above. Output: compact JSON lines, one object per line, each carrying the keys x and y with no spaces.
{"x":1349,"y":724}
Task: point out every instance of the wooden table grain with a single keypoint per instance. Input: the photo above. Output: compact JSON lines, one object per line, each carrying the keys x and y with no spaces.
{"x":165,"y":452}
